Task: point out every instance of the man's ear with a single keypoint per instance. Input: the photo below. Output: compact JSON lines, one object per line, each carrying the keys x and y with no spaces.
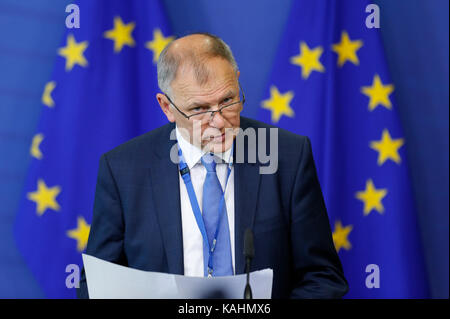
{"x":165,"y":106}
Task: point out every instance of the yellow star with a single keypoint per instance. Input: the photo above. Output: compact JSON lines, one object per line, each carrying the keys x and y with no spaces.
{"x":121,"y":34}
{"x":308,"y":60}
{"x":158,"y":44}
{"x":378,"y":93}
{"x":80,"y":234}
{"x":47,"y":95}
{"x":36,"y":142}
{"x":340,"y":236}
{"x":387,"y":148}
{"x":73,"y":52}
{"x":278,"y":104}
{"x":45,"y":197}
{"x":346,"y":50}
{"x":372,"y":198}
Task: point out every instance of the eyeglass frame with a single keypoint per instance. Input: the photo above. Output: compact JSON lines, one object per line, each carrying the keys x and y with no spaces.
{"x":212,"y":112}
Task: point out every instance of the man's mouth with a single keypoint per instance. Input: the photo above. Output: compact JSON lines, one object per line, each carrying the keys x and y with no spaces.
{"x":217,"y":138}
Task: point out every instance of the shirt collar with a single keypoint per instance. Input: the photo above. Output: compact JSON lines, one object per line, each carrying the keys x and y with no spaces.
{"x":192,"y":154}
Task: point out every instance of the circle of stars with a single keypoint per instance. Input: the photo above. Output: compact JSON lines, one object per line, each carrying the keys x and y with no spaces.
{"x":378,"y":93}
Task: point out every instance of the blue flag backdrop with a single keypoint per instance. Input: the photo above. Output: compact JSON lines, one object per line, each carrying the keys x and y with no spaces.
{"x":101,"y":94}
{"x":330,"y":82}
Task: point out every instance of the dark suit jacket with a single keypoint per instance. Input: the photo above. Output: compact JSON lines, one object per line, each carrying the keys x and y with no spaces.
{"x":137,"y":214}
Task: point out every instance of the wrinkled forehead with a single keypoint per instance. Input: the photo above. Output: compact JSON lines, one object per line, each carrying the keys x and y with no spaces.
{"x":204,"y":75}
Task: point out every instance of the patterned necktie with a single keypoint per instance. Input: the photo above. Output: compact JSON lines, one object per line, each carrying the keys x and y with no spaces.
{"x":212,"y":195}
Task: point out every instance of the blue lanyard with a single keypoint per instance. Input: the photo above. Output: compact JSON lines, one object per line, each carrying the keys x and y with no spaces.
{"x":185,"y":174}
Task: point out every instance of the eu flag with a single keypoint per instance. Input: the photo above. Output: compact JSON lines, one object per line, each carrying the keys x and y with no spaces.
{"x":101,"y":94}
{"x":330,"y":82}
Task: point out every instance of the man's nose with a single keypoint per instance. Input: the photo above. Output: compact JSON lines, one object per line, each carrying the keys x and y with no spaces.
{"x":217,"y":120}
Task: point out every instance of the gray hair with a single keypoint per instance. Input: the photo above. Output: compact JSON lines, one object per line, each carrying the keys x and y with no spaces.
{"x":169,"y":62}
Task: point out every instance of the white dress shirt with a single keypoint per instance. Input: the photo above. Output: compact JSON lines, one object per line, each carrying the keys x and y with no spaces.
{"x":192,"y":238}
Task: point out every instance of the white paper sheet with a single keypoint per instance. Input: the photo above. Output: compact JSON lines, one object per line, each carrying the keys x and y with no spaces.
{"x":106,"y":280}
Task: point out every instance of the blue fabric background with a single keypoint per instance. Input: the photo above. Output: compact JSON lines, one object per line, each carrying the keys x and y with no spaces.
{"x":415,"y":35}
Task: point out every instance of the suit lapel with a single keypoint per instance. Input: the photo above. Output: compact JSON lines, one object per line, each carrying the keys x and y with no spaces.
{"x":246,"y":189}
{"x":166,"y":195}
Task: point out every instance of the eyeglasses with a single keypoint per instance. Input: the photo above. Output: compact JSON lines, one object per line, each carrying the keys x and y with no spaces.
{"x":226,"y":110}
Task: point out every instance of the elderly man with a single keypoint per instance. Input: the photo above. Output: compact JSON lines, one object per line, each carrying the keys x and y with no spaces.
{"x":178,"y":199}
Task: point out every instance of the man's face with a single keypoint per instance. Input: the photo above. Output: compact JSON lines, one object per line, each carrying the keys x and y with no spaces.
{"x":215,"y":133}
